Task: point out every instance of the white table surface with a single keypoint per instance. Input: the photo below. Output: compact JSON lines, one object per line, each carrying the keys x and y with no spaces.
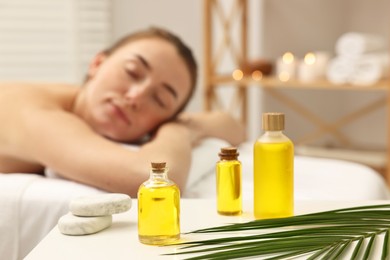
{"x":120,"y":241}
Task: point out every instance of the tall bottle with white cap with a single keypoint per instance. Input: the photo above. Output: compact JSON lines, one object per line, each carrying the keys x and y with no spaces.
{"x":273,"y":160}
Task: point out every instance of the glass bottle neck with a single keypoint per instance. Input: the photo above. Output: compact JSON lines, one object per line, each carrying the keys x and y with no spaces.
{"x":273,"y":133}
{"x":273,"y":137}
{"x":158,"y":175}
{"x":228,"y":158}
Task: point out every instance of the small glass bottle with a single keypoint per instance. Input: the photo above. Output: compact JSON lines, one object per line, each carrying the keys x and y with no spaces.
{"x":273,"y":170}
{"x":158,"y":208}
{"x":229,"y":194}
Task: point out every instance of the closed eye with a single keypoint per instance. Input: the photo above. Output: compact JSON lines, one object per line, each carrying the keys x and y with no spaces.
{"x":133,"y":74}
{"x":158,"y":100}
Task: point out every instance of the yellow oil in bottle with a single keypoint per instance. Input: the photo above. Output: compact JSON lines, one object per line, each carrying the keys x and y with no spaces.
{"x":158,"y":211}
{"x":273,"y":175}
{"x":229,"y":175}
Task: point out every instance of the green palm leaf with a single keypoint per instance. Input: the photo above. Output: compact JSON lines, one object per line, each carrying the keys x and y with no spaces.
{"x":333,"y":234}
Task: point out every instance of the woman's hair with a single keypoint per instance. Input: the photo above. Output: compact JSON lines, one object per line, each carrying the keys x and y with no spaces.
{"x":183,"y":50}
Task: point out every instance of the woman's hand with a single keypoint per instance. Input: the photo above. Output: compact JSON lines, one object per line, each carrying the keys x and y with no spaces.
{"x":213,"y":124}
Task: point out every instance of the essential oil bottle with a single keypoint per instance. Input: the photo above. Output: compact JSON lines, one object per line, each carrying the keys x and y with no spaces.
{"x":158,"y":208}
{"x":273,"y":170}
{"x":228,"y":172}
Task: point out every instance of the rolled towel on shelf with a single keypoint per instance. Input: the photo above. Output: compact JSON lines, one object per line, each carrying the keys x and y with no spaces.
{"x":340,"y":70}
{"x":370,"y":68}
{"x":353,"y":43}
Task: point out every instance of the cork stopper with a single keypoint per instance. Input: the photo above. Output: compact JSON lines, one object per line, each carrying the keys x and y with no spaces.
{"x":158,"y":167}
{"x":228,"y":153}
{"x":273,"y":121}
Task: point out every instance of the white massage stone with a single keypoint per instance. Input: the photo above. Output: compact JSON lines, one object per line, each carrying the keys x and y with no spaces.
{"x":70,"y":224}
{"x":100,"y":204}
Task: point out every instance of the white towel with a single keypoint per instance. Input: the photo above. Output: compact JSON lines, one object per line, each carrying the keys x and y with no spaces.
{"x":370,"y":68}
{"x":12,"y":187}
{"x":361,"y":70}
{"x":340,"y":70}
{"x":352,"y":43}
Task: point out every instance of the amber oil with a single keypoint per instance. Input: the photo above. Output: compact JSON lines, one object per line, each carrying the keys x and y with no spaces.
{"x":158,"y":208}
{"x":273,"y":170}
{"x":229,"y":176}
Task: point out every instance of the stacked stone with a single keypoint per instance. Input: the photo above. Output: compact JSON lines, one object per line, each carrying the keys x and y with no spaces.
{"x":92,"y":214}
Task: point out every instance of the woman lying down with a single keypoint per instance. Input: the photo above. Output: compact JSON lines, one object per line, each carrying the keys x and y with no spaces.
{"x":135,"y":92}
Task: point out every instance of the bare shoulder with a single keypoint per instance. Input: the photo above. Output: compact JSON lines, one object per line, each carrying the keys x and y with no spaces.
{"x":21,"y":104}
{"x":35,"y":94}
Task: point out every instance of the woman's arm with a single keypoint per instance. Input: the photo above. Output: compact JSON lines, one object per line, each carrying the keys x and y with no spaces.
{"x":67,"y":145}
{"x":64,"y":143}
{"x":214,"y":124}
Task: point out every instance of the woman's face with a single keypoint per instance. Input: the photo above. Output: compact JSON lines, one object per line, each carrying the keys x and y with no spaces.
{"x":133,"y":90}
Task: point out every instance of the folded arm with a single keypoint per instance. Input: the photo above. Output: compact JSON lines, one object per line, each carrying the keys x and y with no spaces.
{"x":67,"y":145}
{"x":63,"y":142}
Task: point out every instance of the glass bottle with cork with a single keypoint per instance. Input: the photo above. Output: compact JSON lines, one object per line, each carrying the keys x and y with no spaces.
{"x":273,"y":170}
{"x":158,"y":208}
{"x":228,"y":173}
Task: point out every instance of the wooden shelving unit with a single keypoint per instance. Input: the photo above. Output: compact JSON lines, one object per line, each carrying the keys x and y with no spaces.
{"x":236,"y":17}
{"x":273,"y":82}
